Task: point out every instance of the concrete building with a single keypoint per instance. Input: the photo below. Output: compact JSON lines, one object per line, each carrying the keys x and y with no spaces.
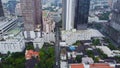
{"x":70,"y":37}
{"x":108,"y":51}
{"x":1,"y":9}
{"x":68,"y":14}
{"x":18,"y":11}
{"x":49,"y":24}
{"x":32,"y":14}
{"x":12,"y":44}
{"x":114,"y":27}
{"x":81,"y":14}
{"x":6,"y":24}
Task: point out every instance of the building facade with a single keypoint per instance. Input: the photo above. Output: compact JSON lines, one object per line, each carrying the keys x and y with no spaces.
{"x":32,"y":14}
{"x":114,"y":27}
{"x":81,"y":14}
{"x":18,"y":11}
{"x":11,"y":6}
{"x":7,"y":24}
{"x":68,"y":14}
{"x":1,"y":9}
{"x":16,"y":44}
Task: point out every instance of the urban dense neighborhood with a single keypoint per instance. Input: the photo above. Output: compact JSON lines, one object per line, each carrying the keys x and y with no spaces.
{"x":59,"y":33}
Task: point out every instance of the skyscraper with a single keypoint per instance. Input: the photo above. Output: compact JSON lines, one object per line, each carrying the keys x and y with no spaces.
{"x":68,"y":14}
{"x":1,"y":9}
{"x":114,"y":27}
{"x":32,"y":14}
{"x":81,"y":14}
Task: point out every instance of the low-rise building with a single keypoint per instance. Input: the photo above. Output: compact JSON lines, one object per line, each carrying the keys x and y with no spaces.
{"x":95,"y":65}
{"x":30,"y":53}
{"x":6,"y":24}
{"x":71,"y":37}
{"x":108,"y":51}
{"x":12,"y":44}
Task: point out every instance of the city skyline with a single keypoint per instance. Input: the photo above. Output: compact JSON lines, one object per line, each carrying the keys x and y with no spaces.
{"x":60,"y":34}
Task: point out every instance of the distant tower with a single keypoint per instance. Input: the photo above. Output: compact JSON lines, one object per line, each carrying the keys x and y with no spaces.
{"x":68,"y":14}
{"x":114,"y":30}
{"x":18,"y":10}
{"x":11,"y":6}
{"x":32,"y":14}
{"x":81,"y":14}
{"x":1,"y":9}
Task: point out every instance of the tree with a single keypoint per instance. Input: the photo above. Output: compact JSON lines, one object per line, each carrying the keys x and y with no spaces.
{"x":46,"y":57}
{"x":101,"y":54}
{"x":96,"y":59}
{"x":104,"y":16}
{"x":16,"y":60}
{"x":78,"y":59}
{"x":96,"y":42}
{"x":78,"y":43}
{"x":29,"y":46}
{"x":112,"y":47}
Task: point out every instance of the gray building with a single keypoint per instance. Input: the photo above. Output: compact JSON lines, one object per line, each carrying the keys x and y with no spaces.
{"x":81,"y":14}
{"x":32,"y":14}
{"x":1,"y":9}
{"x":114,"y":27}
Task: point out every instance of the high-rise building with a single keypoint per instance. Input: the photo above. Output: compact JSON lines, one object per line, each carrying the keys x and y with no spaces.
{"x":18,"y":10}
{"x":68,"y":14}
{"x":11,"y":6}
{"x":81,"y":14}
{"x":32,"y":14}
{"x":114,"y":27}
{"x":1,"y":9}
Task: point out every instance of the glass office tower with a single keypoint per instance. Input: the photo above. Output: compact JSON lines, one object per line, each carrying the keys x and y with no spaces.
{"x":81,"y":14}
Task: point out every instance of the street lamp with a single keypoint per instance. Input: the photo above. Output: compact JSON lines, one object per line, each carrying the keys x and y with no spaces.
{"x":57,"y":19}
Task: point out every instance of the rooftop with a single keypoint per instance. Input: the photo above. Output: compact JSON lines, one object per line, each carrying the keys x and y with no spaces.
{"x":30,"y":53}
{"x":95,"y":65}
{"x":6,"y":21}
{"x":100,"y":65}
{"x":72,"y":36}
{"x":77,"y":66}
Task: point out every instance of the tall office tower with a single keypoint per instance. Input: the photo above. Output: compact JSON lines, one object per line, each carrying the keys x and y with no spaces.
{"x":81,"y":14}
{"x":1,"y":9}
{"x":114,"y":28}
{"x":68,"y":14}
{"x":32,"y":14}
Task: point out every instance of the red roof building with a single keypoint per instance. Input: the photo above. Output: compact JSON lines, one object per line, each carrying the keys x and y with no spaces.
{"x":30,"y":53}
{"x":77,"y":66}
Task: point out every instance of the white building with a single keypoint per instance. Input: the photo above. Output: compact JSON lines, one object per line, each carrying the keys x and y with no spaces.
{"x":108,"y":51}
{"x":47,"y":37}
{"x":71,"y":37}
{"x":68,"y":14}
{"x":12,"y":44}
{"x":6,"y":24}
